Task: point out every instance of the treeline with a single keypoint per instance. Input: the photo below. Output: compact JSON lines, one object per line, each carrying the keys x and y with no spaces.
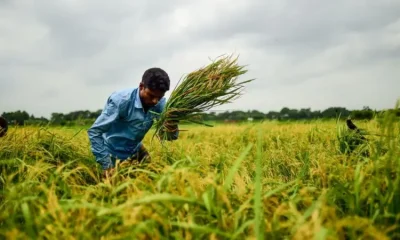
{"x":61,"y":119}
{"x":294,"y":114}
{"x":88,"y":117}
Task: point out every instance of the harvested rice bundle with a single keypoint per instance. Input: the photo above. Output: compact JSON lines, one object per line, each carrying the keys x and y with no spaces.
{"x":201,"y":90}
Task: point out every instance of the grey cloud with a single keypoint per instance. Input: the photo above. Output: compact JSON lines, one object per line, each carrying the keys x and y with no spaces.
{"x":303,"y":24}
{"x":85,"y":29}
{"x":302,"y":53}
{"x":50,"y":94}
{"x":104,"y":40}
{"x":76,"y":33}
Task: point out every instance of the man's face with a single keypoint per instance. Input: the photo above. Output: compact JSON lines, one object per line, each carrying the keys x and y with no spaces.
{"x":150,"y":97}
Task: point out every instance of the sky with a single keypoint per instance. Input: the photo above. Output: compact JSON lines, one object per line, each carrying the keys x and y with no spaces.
{"x":68,"y":55}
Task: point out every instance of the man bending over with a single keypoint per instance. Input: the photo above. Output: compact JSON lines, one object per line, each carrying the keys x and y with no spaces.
{"x":126,"y":118}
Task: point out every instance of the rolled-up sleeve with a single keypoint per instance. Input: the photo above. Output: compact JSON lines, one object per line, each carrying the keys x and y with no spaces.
{"x":102,"y":124}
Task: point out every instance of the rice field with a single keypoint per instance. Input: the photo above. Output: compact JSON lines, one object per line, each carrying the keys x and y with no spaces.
{"x":265,"y":180}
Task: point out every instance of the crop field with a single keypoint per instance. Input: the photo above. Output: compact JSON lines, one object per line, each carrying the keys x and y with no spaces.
{"x":266,"y":180}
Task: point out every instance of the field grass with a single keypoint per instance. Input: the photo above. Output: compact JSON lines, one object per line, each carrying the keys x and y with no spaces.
{"x":250,"y":181}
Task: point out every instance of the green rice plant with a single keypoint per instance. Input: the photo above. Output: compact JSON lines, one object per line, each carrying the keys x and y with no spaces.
{"x":258,"y":210}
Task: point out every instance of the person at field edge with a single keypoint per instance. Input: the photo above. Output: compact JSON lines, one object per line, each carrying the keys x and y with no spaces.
{"x":126,"y":118}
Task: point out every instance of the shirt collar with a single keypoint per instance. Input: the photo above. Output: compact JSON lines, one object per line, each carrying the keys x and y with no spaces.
{"x":138,"y":102}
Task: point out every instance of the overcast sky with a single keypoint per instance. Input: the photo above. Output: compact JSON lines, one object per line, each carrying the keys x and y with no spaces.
{"x":67,"y":55}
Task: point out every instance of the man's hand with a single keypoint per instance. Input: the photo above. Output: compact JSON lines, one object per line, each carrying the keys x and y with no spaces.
{"x":170,"y":130}
{"x":171,"y":126}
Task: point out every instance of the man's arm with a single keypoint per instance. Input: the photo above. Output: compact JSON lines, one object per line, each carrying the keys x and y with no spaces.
{"x":101,"y":125}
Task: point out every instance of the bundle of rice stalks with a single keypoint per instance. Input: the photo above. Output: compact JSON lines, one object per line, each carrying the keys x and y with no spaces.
{"x":199,"y":91}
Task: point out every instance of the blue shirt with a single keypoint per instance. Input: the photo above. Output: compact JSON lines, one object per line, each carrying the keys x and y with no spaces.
{"x":119,"y":130}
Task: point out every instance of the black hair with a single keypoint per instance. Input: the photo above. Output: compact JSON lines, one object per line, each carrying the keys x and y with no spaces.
{"x":156,"y":79}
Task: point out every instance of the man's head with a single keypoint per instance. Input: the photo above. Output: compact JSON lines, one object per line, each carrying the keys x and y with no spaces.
{"x":155,"y":82}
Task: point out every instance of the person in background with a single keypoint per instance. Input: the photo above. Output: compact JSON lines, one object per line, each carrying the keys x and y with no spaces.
{"x":3,"y":126}
{"x":126,"y":118}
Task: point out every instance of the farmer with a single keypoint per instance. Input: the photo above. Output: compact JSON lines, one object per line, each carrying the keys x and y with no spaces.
{"x":126,"y":118}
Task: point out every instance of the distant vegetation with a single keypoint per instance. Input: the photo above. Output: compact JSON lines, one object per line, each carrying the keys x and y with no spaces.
{"x":88,"y":117}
